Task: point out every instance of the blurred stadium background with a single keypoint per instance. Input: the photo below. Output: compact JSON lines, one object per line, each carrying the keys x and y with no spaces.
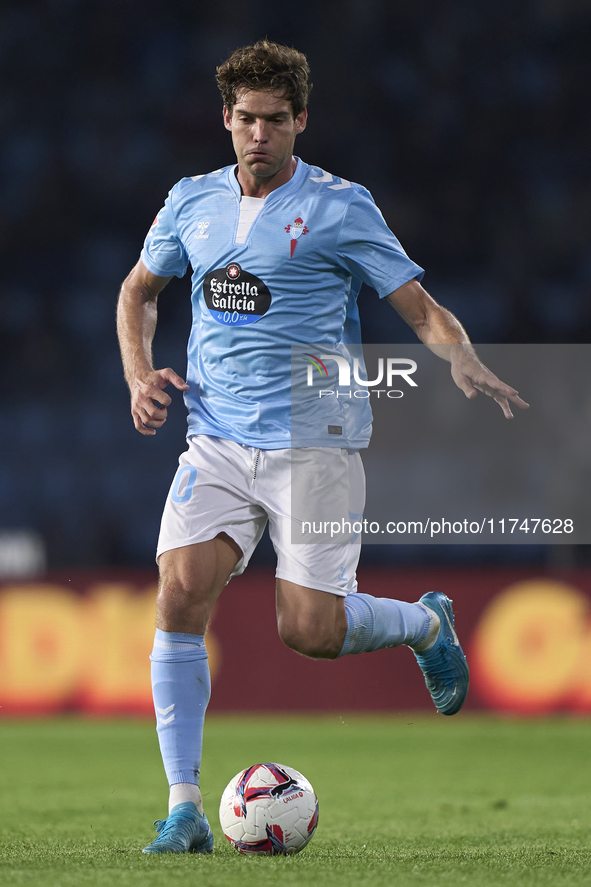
{"x":468,"y":121}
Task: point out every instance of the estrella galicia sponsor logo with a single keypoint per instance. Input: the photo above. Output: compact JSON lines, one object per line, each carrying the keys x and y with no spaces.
{"x":234,"y":296}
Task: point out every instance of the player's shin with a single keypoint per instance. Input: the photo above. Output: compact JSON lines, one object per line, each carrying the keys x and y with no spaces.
{"x":375,"y":623}
{"x":181,"y":688}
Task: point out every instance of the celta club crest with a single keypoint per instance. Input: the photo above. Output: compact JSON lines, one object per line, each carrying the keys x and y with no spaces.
{"x":295,"y":231}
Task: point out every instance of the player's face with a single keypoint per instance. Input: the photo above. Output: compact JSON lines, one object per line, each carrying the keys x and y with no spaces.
{"x":263,"y":132}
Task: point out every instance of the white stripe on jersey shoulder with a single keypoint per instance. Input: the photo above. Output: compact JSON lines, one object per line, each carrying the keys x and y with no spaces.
{"x":327,"y":177}
{"x":216,"y":172}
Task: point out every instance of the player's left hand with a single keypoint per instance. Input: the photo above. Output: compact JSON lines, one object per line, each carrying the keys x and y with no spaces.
{"x":472,"y":376}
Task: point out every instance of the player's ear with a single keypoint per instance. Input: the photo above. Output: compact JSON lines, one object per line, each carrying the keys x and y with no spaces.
{"x":227,"y":114}
{"x":301,"y":121}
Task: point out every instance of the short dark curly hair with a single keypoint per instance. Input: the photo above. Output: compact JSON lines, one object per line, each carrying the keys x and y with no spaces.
{"x":266,"y":66}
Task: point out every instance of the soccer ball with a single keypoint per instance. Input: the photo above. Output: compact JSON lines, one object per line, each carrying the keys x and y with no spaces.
{"x":269,"y":809}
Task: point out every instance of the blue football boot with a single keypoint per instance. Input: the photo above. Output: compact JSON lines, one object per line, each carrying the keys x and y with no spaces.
{"x":185,"y":830}
{"x":444,"y":664}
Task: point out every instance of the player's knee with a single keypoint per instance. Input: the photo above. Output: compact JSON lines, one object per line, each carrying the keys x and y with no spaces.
{"x":309,"y":639}
{"x":181,"y":607}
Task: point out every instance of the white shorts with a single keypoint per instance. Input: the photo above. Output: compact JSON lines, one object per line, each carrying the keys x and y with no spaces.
{"x":226,"y":487}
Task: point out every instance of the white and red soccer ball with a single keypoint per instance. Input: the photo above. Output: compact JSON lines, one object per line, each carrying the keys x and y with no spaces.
{"x":269,"y":809}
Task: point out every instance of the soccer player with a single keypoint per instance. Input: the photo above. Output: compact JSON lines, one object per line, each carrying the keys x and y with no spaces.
{"x":279,"y":250}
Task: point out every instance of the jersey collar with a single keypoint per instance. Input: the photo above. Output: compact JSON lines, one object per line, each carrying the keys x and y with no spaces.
{"x":279,"y":193}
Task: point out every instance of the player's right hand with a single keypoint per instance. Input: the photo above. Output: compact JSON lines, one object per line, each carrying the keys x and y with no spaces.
{"x":149,"y":401}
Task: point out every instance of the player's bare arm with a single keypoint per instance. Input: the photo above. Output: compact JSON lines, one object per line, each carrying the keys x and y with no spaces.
{"x":137,"y":315}
{"x":437,"y":328}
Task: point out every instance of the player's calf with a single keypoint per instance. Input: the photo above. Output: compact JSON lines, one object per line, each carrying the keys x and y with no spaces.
{"x":310,"y":621}
{"x":313,"y":641}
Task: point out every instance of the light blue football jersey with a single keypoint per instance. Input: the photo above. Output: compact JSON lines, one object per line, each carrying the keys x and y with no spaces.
{"x":294,"y":281}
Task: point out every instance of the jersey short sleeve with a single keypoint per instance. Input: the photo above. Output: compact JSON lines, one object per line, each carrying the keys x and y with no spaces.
{"x":368,"y":250}
{"x":163,"y":253}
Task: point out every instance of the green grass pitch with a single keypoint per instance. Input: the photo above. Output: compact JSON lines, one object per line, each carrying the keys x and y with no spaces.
{"x":406,"y":800}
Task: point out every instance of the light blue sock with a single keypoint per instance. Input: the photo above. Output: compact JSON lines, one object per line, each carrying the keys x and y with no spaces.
{"x":374,"y":623}
{"x":181,"y":688}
